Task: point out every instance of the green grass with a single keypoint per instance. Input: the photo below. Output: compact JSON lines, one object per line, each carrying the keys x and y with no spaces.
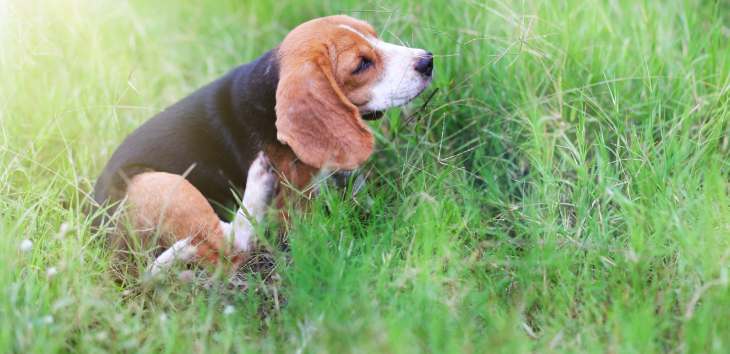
{"x":565,"y":190}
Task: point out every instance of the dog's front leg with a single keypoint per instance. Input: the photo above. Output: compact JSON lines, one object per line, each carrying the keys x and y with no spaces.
{"x":260,"y":187}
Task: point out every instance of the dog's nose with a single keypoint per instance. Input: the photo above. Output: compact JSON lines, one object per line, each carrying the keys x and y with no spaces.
{"x":424,"y":65}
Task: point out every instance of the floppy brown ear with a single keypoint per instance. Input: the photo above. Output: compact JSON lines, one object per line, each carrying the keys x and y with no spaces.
{"x":315,"y":118}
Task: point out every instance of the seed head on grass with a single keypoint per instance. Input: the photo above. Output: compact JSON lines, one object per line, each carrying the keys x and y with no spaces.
{"x":51,"y":272}
{"x":25,"y":246}
{"x":229,"y":310}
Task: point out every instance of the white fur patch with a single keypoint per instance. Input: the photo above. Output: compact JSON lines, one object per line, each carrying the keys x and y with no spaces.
{"x":400,"y":82}
{"x":369,"y":39}
{"x":182,"y":250}
{"x":260,"y":185}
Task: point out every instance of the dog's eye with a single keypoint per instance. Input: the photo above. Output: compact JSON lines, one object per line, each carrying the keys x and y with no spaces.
{"x":364,"y":64}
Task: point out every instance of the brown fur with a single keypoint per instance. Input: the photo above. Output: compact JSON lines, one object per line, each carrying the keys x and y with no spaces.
{"x":168,"y":205}
{"x":317,"y":117}
{"x":315,"y":112}
{"x":294,"y":178}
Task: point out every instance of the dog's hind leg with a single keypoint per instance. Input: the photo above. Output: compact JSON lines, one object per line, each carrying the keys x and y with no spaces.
{"x":182,"y":250}
{"x":169,"y":206}
{"x":167,"y":210}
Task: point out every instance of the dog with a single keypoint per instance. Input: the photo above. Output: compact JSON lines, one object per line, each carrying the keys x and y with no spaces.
{"x":266,"y":128}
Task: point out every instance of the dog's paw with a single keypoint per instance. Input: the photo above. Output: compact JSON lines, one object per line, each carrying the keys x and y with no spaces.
{"x":260,"y":185}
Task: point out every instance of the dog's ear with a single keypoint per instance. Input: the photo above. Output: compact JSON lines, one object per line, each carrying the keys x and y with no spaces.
{"x":315,"y":118}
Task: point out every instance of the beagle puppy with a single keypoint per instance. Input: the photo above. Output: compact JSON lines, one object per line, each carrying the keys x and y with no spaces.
{"x":266,"y":128}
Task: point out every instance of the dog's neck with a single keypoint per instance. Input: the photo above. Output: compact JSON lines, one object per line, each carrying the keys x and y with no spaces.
{"x":253,"y":95}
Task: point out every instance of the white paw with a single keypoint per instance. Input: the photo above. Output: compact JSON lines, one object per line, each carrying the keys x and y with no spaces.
{"x":182,"y":250}
{"x":260,"y":186}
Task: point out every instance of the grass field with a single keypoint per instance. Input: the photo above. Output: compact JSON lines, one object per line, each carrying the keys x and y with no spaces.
{"x":565,"y":190}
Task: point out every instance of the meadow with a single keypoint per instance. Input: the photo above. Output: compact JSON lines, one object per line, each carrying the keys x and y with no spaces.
{"x":565,"y":189}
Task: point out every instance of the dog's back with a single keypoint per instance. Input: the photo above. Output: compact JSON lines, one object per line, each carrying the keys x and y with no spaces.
{"x":213,"y":135}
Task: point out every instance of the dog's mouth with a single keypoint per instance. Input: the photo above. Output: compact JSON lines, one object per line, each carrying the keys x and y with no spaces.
{"x":372,"y":115}
{"x":398,"y":101}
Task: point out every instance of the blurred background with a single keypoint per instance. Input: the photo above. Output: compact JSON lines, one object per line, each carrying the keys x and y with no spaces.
{"x":565,"y":189}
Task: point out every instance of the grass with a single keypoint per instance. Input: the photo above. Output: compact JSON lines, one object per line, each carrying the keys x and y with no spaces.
{"x":565,"y":190}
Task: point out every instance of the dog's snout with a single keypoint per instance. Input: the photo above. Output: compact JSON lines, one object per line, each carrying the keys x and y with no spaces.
{"x":424,"y":65}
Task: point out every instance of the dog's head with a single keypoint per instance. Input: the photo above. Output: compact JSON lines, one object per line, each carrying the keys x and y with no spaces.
{"x":334,"y":71}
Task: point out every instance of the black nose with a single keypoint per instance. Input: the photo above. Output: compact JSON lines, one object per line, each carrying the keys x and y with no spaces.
{"x":424,"y":65}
